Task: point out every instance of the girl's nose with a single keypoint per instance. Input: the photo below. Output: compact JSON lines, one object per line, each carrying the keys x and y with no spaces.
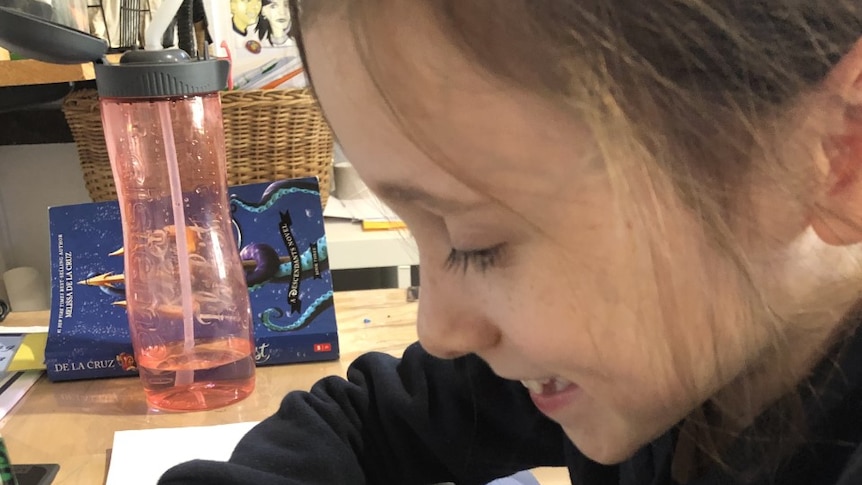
{"x":451,"y":321}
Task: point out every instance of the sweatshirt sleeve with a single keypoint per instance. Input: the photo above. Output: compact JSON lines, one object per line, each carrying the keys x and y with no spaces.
{"x":417,"y":420}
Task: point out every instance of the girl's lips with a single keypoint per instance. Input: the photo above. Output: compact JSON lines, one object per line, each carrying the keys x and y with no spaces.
{"x":551,"y":394}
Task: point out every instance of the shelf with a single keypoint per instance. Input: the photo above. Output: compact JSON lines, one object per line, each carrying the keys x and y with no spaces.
{"x":28,"y":72}
{"x":27,"y":319}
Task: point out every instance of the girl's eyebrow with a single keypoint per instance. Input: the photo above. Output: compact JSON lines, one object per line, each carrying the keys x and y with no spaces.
{"x":406,"y":193}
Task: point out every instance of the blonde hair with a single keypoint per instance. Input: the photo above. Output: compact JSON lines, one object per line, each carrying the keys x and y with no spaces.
{"x":691,"y":87}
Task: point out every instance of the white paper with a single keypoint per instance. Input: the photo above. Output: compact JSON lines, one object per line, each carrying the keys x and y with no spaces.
{"x":368,"y":208}
{"x":13,"y":386}
{"x":142,"y":456}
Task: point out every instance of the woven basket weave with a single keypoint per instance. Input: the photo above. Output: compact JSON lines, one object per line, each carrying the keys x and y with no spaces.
{"x":269,"y":135}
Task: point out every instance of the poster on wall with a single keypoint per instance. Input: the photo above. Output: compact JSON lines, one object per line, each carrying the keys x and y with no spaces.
{"x":255,"y":36}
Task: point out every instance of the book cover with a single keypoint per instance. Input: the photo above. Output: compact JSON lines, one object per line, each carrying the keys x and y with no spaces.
{"x":282,"y":243}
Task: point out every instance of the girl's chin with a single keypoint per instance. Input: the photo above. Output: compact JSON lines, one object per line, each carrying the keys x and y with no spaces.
{"x":602,"y":450}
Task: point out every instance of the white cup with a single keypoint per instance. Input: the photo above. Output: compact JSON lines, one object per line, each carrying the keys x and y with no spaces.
{"x":26,"y":290}
{"x":348,"y":185}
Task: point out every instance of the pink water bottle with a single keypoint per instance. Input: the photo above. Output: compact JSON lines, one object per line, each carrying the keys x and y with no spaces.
{"x":187,"y":299}
{"x":186,"y":295}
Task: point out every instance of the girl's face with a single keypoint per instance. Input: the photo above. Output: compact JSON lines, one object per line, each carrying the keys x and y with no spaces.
{"x":279,"y":16}
{"x":527,"y":260}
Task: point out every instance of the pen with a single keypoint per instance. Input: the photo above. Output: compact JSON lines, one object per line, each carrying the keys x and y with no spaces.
{"x":251,"y":75}
{"x":7,"y":477}
{"x":283,"y":79}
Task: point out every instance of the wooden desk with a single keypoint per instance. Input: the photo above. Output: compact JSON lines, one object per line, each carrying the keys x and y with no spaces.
{"x":73,"y":423}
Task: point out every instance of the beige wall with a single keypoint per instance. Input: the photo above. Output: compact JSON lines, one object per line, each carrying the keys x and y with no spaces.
{"x":32,"y":178}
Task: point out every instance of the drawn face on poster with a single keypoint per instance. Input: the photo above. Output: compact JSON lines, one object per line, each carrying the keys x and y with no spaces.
{"x":244,"y":13}
{"x":274,"y":23}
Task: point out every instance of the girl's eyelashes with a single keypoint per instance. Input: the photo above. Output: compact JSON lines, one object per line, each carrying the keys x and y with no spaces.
{"x":476,"y":259}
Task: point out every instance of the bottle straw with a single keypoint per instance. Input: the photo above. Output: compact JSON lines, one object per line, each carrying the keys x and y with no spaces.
{"x":184,"y":377}
{"x":159,"y":22}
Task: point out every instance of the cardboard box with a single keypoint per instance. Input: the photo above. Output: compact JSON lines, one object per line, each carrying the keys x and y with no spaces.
{"x":279,"y":223}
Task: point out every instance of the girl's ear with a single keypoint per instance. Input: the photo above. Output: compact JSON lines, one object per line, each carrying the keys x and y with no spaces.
{"x":837,"y":213}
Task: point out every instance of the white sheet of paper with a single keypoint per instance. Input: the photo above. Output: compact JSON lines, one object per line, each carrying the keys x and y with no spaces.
{"x":368,"y":208}
{"x":142,"y":456}
{"x":13,"y":386}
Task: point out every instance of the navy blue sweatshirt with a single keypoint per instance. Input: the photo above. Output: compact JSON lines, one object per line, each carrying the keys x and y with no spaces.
{"x":422,"y":420}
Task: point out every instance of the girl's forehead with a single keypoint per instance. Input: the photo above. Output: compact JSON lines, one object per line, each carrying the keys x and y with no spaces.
{"x":409,"y":82}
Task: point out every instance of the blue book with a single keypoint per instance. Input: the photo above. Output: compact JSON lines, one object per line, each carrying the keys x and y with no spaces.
{"x":280,"y":235}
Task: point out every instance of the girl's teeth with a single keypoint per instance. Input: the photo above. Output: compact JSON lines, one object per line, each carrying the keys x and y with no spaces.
{"x":535,"y":386}
{"x":546,"y":386}
{"x":560,"y":384}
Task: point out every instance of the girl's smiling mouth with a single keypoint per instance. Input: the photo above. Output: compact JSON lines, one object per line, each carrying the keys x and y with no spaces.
{"x":551,"y":394}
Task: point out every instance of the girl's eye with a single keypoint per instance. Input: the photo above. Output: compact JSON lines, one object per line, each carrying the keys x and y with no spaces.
{"x":479,"y":259}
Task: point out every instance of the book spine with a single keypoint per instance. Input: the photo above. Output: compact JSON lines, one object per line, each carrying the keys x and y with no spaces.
{"x":97,"y":361}
{"x":277,"y":349}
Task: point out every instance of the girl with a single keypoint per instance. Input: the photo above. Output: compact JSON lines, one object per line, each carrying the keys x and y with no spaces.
{"x":639,"y":228}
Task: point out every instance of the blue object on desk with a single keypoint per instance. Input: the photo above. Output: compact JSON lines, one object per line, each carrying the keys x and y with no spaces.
{"x":522,"y":478}
{"x":9,"y":345}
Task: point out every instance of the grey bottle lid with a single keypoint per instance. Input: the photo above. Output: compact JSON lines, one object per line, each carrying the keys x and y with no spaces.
{"x":140,"y":74}
{"x":159,"y":74}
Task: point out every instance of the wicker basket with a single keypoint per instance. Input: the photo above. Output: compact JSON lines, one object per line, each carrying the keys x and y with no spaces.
{"x":269,"y":135}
